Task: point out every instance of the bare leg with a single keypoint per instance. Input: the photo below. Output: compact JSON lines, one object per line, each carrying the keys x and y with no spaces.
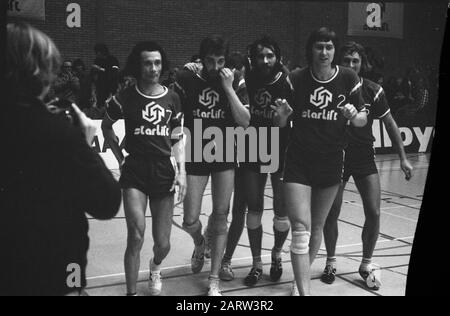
{"x":135,"y":204}
{"x":298,"y":206}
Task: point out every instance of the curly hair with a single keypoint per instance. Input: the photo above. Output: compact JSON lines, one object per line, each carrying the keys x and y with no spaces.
{"x":133,"y":65}
{"x":32,"y":60}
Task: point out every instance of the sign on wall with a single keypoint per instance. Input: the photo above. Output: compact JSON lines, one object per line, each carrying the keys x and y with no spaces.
{"x":379,"y":19}
{"x":32,"y":9}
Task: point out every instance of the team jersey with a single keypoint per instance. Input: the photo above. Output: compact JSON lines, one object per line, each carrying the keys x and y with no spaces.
{"x":318,"y":122}
{"x":205,"y":105}
{"x":261,"y":97}
{"x":149,"y":120}
{"x":377,"y":107}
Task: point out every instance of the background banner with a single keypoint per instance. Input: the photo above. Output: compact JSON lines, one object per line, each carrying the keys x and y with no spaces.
{"x":33,"y":9}
{"x":416,"y":139}
{"x":379,"y":19}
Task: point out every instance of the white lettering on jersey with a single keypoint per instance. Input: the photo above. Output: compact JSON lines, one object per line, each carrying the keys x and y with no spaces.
{"x":263,"y":98}
{"x":209,"y":98}
{"x":153,"y":113}
{"x":321,"y":98}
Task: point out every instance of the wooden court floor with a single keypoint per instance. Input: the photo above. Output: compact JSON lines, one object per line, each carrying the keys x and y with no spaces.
{"x":400,"y":207}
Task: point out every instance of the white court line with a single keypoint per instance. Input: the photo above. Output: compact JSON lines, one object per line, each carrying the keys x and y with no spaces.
{"x":163,"y":269}
{"x":378,"y":242}
{"x":237,"y":259}
{"x":400,"y":206}
{"x":398,"y":216}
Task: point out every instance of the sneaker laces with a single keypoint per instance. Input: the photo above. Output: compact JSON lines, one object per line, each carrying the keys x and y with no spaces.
{"x":199,"y":251}
{"x":329,"y":269}
{"x":214,"y":285}
{"x":155,"y":276}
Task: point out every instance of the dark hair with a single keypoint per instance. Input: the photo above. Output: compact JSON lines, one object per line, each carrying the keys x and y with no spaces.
{"x":353,"y":47}
{"x":236,"y":60}
{"x":101,"y":48}
{"x":195,"y":57}
{"x":268,"y":42}
{"x":78,"y":62}
{"x":133,"y":66}
{"x":32,"y":60}
{"x":214,"y":45}
{"x":322,"y":34}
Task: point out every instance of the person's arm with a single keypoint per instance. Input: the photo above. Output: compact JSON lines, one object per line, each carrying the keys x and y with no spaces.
{"x":358,"y":119}
{"x":282,"y":112}
{"x":394,"y":135}
{"x":180,"y":179}
{"x":112,"y":114}
{"x":240,"y":112}
{"x":355,"y":110}
{"x":94,"y":188}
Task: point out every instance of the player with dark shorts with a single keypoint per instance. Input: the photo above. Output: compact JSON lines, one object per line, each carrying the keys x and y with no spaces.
{"x":360,"y":164}
{"x":266,"y":82}
{"x":151,"y":112}
{"x":210,"y":103}
{"x":326,"y":99}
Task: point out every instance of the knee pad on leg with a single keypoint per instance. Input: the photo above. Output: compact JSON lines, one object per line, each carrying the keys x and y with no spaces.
{"x":300,"y":242}
{"x":281,"y":224}
{"x":254,"y":219}
{"x":219,"y":224}
{"x":192,"y":229}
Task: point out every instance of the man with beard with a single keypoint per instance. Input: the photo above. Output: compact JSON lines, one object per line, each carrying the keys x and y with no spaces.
{"x":266,"y":82}
{"x":210,"y":101}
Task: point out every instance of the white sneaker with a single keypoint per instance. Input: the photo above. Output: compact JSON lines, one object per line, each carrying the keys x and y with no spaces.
{"x":294,"y":289}
{"x":155,"y":283}
{"x":372,"y":276}
{"x":214,"y":289}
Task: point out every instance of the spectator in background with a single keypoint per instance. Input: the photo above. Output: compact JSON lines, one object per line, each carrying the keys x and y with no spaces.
{"x":49,"y":177}
{"x":106,"y":68}
{"x":170,"y":81}
{"x":67,"y":85}
{"x":86,"y":98}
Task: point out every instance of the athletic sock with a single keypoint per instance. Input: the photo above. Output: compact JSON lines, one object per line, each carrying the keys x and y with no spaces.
{"x":255,"y":238}
{"x":331,"y":261}
{"x":155,"y":267}
{"x":280,"y":238}
{"x":365,"y":263}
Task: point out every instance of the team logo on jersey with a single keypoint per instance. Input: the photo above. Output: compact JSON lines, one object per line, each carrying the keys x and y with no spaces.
{"x":321,"y":98}
{"x":209,"y":98}
{"x":153,"y":113}
{"x":263,"y":98}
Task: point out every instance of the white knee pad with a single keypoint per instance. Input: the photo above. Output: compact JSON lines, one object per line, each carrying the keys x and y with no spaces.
{"x":254,"y":220}
{"x":192,"y":229}
{"x":281,"y":224}
{"x":219,"y":224}
{"x":300,"y":242}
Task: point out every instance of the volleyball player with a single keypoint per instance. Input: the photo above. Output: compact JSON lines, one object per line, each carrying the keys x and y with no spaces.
{"x":326,"y":98}
{"x":151,"y":113}
{"x":360,"y":164}
{"x":266,"y":81}
{"x":210,"y":101}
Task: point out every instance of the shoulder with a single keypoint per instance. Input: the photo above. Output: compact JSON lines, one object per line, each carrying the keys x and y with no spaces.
{"x":184,"y":76}
{"x":348,"y":73}
{"x":370,"y":85}
{"x":172,"y":95}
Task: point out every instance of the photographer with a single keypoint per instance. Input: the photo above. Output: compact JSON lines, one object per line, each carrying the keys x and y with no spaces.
{"x":49,"y":177}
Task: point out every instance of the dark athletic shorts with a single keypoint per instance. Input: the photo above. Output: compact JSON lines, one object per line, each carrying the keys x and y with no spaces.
{"x":359,"y":162}
{"x":206,"y":169}
{"x":153,"y":176}
{"x":313,"y":169}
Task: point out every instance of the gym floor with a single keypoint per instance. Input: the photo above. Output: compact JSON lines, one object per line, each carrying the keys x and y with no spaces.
{"x":400,"y":207}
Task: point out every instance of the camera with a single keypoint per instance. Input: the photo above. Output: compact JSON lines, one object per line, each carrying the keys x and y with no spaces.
{"x":63,"y":109}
